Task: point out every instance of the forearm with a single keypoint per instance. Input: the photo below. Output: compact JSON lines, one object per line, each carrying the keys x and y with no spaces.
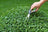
{"x":42,"y":1}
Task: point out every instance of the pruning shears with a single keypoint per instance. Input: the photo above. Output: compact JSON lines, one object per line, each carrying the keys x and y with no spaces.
{"x":27,"y":18}
{"x":29,"y":13}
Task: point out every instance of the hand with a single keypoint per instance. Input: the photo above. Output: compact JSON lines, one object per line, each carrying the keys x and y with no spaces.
{"x":36,"y":5}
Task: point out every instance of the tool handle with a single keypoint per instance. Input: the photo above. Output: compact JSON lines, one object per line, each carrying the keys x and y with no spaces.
{"x":31,"y":11}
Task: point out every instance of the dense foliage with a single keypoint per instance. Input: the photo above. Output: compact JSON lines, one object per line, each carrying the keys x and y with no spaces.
{"x":13,"y":16}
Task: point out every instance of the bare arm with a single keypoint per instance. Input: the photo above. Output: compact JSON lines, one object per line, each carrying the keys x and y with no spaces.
{"x":42,"y":1}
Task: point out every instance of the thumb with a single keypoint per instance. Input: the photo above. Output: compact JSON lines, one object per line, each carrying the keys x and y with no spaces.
{"x":32,"y":7}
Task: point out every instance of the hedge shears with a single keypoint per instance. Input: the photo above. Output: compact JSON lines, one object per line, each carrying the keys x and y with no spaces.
{"x":28,"y":16}
{"x":30,"y":13}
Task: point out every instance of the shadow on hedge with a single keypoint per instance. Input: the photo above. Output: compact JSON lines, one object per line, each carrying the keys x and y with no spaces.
{"x":38,"y":16}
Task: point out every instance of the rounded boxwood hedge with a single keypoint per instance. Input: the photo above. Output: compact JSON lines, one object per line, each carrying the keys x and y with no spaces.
{"x":14,"y":21}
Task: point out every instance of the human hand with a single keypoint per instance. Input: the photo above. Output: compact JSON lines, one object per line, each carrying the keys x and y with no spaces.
{"x":37,"y":5}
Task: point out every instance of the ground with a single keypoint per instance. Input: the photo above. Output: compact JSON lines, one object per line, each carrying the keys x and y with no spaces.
{"x":13,"y":15}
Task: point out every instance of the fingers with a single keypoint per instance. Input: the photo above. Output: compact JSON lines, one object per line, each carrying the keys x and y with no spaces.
{"x":36,"y":9}
{"x":32,"y":7}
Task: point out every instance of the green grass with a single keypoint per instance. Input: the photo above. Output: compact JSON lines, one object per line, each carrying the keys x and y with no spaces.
{"x":14,"y":12}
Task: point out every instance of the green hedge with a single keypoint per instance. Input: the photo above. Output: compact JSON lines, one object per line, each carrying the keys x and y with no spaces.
{"x":14,"y":21}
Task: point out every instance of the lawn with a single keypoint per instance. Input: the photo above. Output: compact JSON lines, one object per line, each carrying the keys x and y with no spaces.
{"x":13,"y":15}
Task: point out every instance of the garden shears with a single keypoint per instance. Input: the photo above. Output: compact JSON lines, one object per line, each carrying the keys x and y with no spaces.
{"x":30,"y":13}
{"x":28,"y":16}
